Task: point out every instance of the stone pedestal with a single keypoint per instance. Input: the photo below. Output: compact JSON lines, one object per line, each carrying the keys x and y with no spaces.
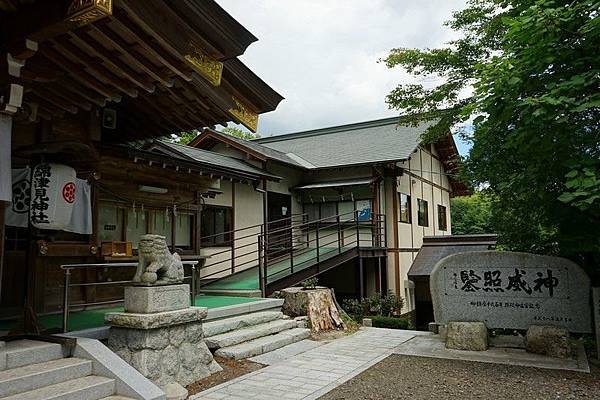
{"x":155,"y":299}
{"x":548,"y":340}
{"x":163,"y":339}
{"x":467,"y":336}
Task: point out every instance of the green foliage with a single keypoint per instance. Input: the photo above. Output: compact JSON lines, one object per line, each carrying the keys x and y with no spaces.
{"x":526,"y":73}
{"x":237,"y":132}
{"x":388,"y":306}
{"x":471,"y":214}
{"x":310,"y":283}
{"x":389,"y":322}
{"x":184,"y":137}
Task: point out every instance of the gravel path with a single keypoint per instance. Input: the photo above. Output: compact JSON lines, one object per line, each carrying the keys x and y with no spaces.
{"x":420,"y":378}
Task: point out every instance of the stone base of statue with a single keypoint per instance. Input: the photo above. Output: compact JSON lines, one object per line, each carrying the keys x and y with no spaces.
{"x":161,"y":336}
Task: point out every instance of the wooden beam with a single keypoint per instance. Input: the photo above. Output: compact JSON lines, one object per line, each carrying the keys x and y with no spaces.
{"x":69,"y":96}
{"x":93,"y":65}
{"x":74,"y":87}
{"x":52,"y":98}
{"x":150,"y":44}
{"x":176,"y":35}
{"x":104,"y":32}
{"x":113,"y":59}
{"x":79,"y":73}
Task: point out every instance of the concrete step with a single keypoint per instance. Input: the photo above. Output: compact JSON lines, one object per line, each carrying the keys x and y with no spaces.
{"x":86,"y":388}
{"x":252,"y":332}
{"x":243,"y":309}
{"x":116,"y":398}
{"x":264,"y":344}
{"x":19,"y":353}
{"x":35,"y":376}
{"x":220,"y":326}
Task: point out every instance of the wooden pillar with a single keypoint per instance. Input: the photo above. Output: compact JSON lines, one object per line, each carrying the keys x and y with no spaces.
{"x":361,"y":277}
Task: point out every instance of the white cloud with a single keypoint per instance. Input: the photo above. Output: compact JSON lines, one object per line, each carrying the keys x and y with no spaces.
{"x":321,"y":55}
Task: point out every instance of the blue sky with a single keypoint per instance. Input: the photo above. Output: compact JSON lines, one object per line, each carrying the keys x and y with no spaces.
{"x":322,"y":55}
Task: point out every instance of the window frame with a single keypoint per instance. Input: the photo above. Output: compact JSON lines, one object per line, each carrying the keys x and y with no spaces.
{"x":149,"y":214}
{"x":228,"y":242}
{"x":409,"y":208}
{"x":420,"y":222}
{"x":445,"y":220}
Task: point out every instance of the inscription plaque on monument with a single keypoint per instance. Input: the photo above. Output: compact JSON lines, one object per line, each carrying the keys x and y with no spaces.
{"x":511,"y":290}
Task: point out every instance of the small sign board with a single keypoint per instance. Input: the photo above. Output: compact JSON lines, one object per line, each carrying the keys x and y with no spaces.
{"x":511,"y":290}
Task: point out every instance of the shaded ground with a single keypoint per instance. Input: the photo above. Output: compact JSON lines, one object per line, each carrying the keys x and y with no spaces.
{"x":231,"y":370}
{"x":420,"y":378}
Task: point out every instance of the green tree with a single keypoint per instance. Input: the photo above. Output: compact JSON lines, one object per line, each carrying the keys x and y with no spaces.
{"x":185,"y":137}
{"x":526,"y":73}
{"x":471,"y":214}
{"x":237,"y":132}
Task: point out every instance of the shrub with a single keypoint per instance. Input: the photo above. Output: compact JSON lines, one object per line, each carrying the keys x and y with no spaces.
{"x":387,"y":306}
{"x":389,"y":322}
{"x":310,"y":283}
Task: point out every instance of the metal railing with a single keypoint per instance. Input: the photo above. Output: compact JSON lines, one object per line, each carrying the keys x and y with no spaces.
{"x":232,"y":257}
{"x":67,"y":286}
{"x":298,"y":241}
{"x":325,"y":238}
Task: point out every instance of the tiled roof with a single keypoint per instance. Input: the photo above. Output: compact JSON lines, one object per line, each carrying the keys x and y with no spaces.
{"x":361,"y":143}
{"x":216,"y":159}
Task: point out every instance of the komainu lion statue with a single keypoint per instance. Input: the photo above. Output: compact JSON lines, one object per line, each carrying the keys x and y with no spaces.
{"x":156,"y":265}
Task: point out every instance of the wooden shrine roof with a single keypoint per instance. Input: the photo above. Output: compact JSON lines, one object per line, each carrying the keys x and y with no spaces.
{"x":164,"y":66}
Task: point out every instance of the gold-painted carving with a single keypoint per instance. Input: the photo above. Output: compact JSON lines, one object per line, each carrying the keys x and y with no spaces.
{"x":246,"y":116}
{"x":82,"y":12}
{"x":205,"y":65}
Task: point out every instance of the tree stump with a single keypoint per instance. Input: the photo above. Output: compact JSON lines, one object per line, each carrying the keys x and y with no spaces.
{"x":317,"y":304}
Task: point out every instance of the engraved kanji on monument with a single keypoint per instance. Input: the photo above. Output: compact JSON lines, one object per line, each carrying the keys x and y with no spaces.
{"x":511,"y":290}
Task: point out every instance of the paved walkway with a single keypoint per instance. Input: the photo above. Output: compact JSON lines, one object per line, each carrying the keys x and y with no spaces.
{"x":311,"y":374}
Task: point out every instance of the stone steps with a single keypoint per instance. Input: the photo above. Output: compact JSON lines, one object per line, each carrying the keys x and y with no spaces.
{"x":19,"y":353}
{"x":35,"y":376}
{"x":89,"y":388}
{"x":36,"y":370}
{"x":238,"y":336}
{"x":220,"y":326}
{"x":116,"y":398}
{"x":263,"y":344}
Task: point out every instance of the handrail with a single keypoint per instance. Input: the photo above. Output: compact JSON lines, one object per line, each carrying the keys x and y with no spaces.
{"x":67,"y":268}
{"x":293,"y":242}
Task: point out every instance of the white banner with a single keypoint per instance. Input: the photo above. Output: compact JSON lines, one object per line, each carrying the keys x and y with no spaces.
{"x":81,"y":217}
{"x":17,"y":213}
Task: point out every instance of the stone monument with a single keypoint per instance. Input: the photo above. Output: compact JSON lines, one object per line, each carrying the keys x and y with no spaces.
{"x":511,"y":290}
{"x":159,"y":333}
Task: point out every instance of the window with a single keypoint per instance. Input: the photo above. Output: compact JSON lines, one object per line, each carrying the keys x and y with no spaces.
{"x":442,"y":220}
{"x":161,"y":221}
{"x":404,"y":208}
{"x":137,"y":225}
{"x":184,"y":224}
{"x":110,"y":224}
{"x":117,"y":222}
{"x":216,"y":224}
{"x":346,"y":209}
{"x":422,"y":212}
{"x":311,"y":211}
{"x":328,"y":210}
